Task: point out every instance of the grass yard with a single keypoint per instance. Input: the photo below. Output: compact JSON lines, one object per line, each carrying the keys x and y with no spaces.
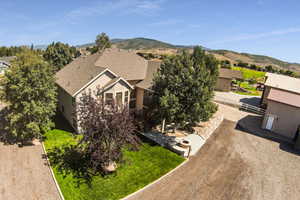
{"x":252,"y":90}
{"x":139,"y":169}
{"x":250,"y":74}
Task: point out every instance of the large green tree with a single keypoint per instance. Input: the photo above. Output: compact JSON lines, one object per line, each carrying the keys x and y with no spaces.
{"x":59,"y":54}
{"x":183,"y":88}
{"x":29,"y":88}
{"x":102,"y":42}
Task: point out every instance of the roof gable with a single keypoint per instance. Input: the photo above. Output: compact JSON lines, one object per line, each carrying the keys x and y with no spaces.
{"x":76,"y":75}
{"x":115,"y":81}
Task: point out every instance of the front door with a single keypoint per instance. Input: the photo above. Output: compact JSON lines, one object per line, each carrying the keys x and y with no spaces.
{"x":270,"y":121}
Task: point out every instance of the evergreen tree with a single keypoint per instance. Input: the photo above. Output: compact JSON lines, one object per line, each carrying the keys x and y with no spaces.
{"x":29,"y":88}
{"x":184,"y":88}
{"x":60,"y":54}
{"x":102,"y":42}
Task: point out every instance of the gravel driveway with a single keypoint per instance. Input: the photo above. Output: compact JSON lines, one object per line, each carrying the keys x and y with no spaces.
{"x":232,"y":165}
{"x":24,"y":175}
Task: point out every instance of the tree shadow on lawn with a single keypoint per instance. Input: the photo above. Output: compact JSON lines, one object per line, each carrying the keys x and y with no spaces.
{"x":62,"y":124}
{"x":7,"y":138}
{"x":71,"y":160}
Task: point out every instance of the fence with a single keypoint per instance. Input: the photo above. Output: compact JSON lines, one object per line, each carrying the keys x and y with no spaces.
{"x":252,"y":109}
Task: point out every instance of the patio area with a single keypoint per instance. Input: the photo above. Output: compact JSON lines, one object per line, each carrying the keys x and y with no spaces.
{"x":184,"y":143}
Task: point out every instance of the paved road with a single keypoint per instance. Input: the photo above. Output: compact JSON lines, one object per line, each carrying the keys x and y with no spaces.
{"x":236,"y":99}
{"x":232,"y":165}
{"x":24,"y":175}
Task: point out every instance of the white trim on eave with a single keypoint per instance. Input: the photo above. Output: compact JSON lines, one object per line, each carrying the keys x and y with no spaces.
{"x":96,"y":77}
{"x":91,"y":81}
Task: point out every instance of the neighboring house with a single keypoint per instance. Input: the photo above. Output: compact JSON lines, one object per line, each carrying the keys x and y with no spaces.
{"x":279,"y":82}
{"x":5,"y":63}
{"x":119,"y":75}
{"x":281,"y":98}
{"x":225,"y":79}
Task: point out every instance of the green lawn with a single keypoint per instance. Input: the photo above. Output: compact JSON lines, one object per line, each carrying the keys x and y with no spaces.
{"x":252,"y":90}
{"x":139,"y":169}
{"x":250,"y":74}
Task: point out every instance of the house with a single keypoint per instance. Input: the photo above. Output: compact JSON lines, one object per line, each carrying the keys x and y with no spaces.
{"x":5,"y":63}
{"x":281,"y":97}
{"x":120,"y":75}
{"x":225,"y":79}
{"x":279,"y":82}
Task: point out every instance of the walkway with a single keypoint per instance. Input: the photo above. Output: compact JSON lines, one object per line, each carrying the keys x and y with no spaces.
{"x":24,"y":175}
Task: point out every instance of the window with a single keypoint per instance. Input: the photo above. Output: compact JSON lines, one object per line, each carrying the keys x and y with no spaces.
{"x":62,"y":109}
{"x":109,"y":98}
{"x":119,"y":98}
{"x":126,"y":97}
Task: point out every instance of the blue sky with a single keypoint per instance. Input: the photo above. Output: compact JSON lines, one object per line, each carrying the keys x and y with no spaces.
{"x":268,"y":27}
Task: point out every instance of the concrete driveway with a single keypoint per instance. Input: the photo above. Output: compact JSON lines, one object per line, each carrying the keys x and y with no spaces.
{"x":232,"y":165}
{"x":24,"y":175}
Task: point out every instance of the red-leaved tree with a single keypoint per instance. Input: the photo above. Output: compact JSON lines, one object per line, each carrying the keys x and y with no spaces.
{"x":106,"y":130}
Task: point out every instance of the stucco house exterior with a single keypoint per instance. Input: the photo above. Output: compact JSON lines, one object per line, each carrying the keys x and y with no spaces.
{"x":120,"y":75}
{"x":281,"y":98}
{"x":279,"y":82}
{"x":225,"y":79}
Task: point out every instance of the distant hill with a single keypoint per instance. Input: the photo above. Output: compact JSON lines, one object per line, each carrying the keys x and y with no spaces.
{"x":147,"y":45}
{"x":261,"y":60}
{"x":141,"y":43}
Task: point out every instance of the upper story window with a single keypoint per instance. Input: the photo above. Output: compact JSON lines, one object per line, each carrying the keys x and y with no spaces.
{"x":126,"y":97}
{"x":109,"y":98}
{"x":119,"y":97}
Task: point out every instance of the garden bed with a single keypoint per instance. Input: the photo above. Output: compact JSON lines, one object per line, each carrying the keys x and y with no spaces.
{"x":138,"y":170}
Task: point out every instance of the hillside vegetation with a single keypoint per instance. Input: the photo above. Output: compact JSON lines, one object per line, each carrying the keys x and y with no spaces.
{"x":141,"y":43}
{"x":251,"y":74}
{"x":260,"y":60}
{"x":146,"y":45}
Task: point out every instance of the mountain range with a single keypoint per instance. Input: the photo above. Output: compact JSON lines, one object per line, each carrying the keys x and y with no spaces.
{"x":159,"y":47}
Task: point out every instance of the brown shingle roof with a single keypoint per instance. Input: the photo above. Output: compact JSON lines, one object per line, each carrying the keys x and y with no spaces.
{"x":126,"y":64}
{"x":228,"y":73}
{"x":153,"y":67}
{"x":78,"y":73}
{"x":83,"y":69}
{"x":283,"y":82}
{"x":284,"y":97}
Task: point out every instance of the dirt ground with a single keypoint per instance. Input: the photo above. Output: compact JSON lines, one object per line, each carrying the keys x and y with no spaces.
{"x":233,"y":165}
{"x":24,"y":175}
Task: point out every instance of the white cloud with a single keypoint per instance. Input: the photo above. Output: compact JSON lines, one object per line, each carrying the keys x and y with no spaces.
{"x":258,"y":35}
{"x":142,"y":7}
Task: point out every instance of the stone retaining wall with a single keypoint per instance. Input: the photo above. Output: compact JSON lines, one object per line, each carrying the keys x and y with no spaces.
{"x":205,"y":129}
